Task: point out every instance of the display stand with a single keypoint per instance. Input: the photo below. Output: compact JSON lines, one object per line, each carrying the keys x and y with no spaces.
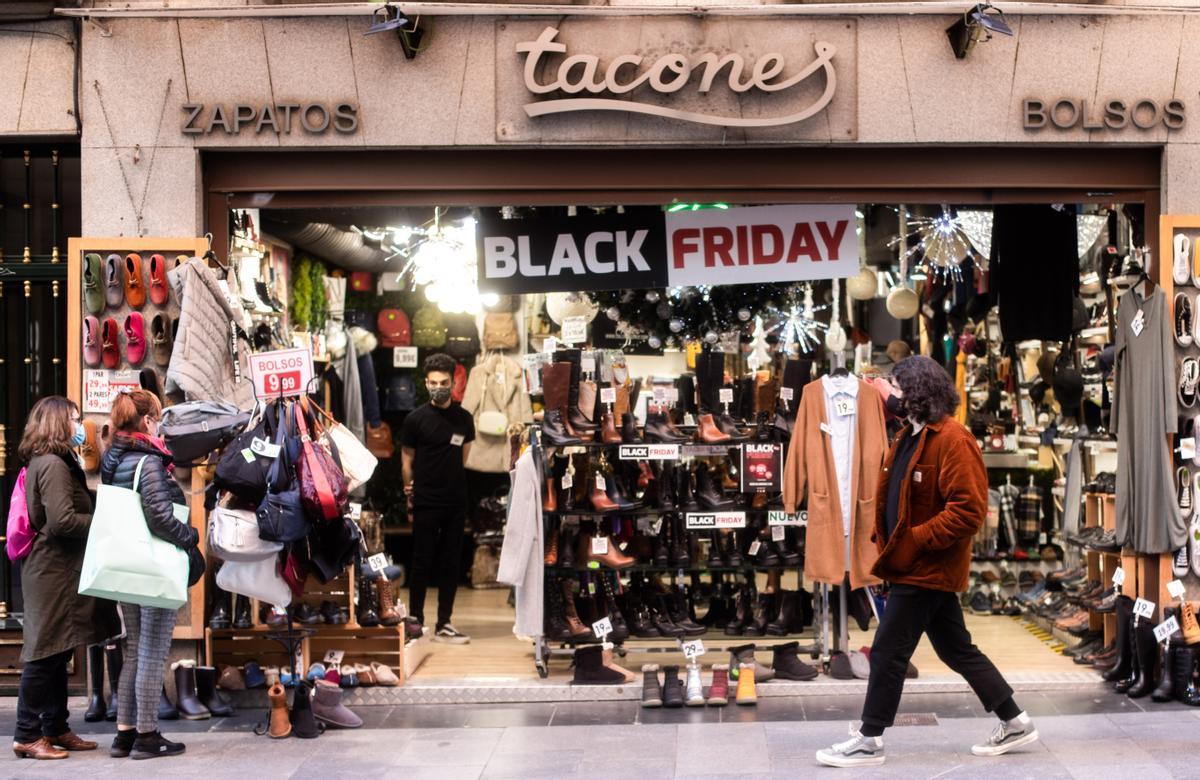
{"x":190,"y":624}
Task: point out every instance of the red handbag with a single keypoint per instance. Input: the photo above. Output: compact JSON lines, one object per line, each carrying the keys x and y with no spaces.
{"x":323,"y":490}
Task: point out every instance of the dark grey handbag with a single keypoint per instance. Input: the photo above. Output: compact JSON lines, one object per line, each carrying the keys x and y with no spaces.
{"x":194,"y":429}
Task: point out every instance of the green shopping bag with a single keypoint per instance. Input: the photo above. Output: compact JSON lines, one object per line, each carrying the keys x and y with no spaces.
{"x":123,"y":561}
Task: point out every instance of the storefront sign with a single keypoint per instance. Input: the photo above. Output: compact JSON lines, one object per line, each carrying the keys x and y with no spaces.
{"x":762,"y":465}
{"x":606,"y":252}
{"x":285,"y":372}
{"x":1070,"y":113}
{"x":670,"y":73}
{"x":777,"y":517}
{"x":763,"y":244}
{"x":649,"y":452}
{"x":96,"y":398}
{"x":404,"y":357}
{"x":313,"y":118}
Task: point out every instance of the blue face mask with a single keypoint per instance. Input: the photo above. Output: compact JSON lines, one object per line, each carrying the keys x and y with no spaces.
{"x":80,"y":435}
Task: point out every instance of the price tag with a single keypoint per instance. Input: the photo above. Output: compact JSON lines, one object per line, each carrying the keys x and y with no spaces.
{"x":549,"y":344}
{"x":1043,"y":538}
{"x":844,"y":407}
{"x":656,"y":528}
{"x":725,"y":395}
{"x":334,"y":657}
{"x":1143,"y":608}
{"x":378,"y":562}
{"x":778,"y":533}
{"x":574,"y":330}
{"x":404,"y":357}
{"x":1175,"y":588}
{"x":592,"y":588}
{"x":248,"y":454}
{"x":660,"y":395}
{"x":693,"y":649}
{"x":599,"y":545}
{"x":755,"y":547}
{"x":284,"y":372}
{"x":1118,"y":577}
{"x":601,"y":484}
{"x":787,"y":393}
{"x":608,"y":395}
{"x":587,"y":364}
{"x":689,"y":419}
{"x":602,"y":628}
{"x":1163,"y":631}
{"x":567,"y":481}
{"x":355,"y":511}
{"x":1187,"y":448}
{"x":265,"y":448}
{"x":1139,"y":322}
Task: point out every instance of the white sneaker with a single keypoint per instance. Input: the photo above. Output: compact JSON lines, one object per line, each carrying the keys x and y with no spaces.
{"x":1182,"y":269}
{"x":1009,"y":735}
{"x":1179,"y":563}
{"x":1194,"y":545}
{"x":856,"y":751}
{"x":450,"y":635}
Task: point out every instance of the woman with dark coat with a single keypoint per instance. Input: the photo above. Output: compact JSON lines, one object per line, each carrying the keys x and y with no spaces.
{"x":135,"y":419}
{"x":57,"y":618}
{"x":931,"y":500}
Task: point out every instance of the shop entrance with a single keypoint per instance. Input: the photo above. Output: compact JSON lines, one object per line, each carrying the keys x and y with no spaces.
{"x":358,"y":212}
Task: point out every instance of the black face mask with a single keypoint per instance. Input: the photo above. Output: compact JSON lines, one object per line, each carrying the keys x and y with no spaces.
{"x":895,"y":405}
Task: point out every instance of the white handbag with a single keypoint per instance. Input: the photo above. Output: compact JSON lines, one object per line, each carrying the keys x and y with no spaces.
{"x":492,"y":423}
{"x":233,"y":536}
{"x":255,"y":579}
{"x":358,"y":464}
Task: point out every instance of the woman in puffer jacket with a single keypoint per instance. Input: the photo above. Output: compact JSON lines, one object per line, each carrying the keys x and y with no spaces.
{"x":135,"y":419}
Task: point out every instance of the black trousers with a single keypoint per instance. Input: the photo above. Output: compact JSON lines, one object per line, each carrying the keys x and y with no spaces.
{"x":42,"y":698}
{"x":437,"y":556}
{"x":911,"y":612}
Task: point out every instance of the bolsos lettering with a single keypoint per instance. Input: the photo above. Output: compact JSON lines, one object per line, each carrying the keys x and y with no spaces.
{"x":345,"y":117}
{"x":1116,"y":115}
{"x":1175,"y":115}
{"x":1035,"y":114}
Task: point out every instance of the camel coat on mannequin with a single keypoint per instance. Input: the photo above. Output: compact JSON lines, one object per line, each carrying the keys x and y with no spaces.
{"x":810,"y":471}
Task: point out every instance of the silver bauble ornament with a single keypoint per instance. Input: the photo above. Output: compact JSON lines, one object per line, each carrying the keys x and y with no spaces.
{"x":664,"y":311}
{"x":744,"y":315}
{"x":613,"y":313}
{"x":652,"y":296}
{"x":711,"y":337}
{"x":654,"y":342}
{"x":675,"y":325}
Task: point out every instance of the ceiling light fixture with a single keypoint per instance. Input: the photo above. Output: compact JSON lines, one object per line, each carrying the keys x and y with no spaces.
{"x":976,"y":25}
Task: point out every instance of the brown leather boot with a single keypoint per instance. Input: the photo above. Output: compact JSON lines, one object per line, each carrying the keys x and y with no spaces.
{"x":551,"y":556}
{"x":759,"y":501}
{"x":556,"y":389}
{"x":598,"y":498}
{"x":612,"y":556}
{"x":579,"y":632}
{"x":40,"y":749}
{"x":280,"y":725}
{"x":765,"y":392}
{"x":621,"y":407}
{"x":708,"y":432}
{"x":608,"y":433}
{"x":388,"y":614}
{"x":550,"y":500}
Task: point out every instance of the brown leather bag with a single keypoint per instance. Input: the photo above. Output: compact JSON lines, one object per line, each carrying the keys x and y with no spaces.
{"x":500,"y":331}
{"x":379,"y":441}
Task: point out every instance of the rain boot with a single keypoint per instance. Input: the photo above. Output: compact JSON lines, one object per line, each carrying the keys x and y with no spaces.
{"x":556,"y":386}
{"x":304,"y":724}
{"x":680,"y":549}
{"x":590,"y":668}
{"x":788,"y":666}
{"x":708,"y":491}
{"x":1165,"y":691}
{"x":95,"y":661}
{"x":694,"y":688}
{"x":1121,"y":671}
{"x":241,"y":613}
{"x":113,"y":657}
{"x":1184,"y":676}
{"x":207,"y":693}
{"x":166,"y":709}
{"x":785,"y":617}
{"x":577,"y":422}
{"x":684,"y":501}
{"x":1146,"y":649}
{"x":629,"y":430}
{"x":664,"y":486}
{"x":220,"y":618}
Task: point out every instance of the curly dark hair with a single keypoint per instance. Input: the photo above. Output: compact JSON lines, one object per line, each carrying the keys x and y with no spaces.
{"x":928,"y":392}
{"x":439,"y":362}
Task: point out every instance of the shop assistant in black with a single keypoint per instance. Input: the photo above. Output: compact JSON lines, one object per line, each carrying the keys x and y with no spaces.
{"x":434,"y":444}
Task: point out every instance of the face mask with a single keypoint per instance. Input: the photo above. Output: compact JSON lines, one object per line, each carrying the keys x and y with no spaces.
{"x":80,"y":435}
{"x":895,"y":405}
{"x":439,"y":395}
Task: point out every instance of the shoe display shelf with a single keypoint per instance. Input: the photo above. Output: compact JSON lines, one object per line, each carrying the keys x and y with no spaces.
{"x":1100,"y":510}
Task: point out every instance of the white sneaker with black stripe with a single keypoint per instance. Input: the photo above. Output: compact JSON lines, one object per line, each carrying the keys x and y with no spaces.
{"x":1009,"y":735}
{"x":856,"y":751}
{"x":450,"y":635}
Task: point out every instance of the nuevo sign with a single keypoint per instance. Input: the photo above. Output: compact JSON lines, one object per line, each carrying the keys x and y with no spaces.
{"x":668,"y":74}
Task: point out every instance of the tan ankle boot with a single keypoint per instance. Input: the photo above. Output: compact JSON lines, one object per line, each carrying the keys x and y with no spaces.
{"x":280,"y":725}
{"x":388,"y":614}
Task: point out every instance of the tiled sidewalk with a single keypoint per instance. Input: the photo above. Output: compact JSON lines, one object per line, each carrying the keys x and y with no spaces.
{"x":1083,"y":736}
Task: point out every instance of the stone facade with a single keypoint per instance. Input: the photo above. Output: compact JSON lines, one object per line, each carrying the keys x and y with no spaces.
{"x":898,"y":84}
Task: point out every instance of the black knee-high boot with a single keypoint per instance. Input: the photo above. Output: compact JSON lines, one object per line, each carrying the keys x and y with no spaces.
{"x":112,"y":654}
{"x":96,"y":708}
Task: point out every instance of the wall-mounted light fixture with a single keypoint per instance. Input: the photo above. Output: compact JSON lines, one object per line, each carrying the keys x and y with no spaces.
{"x":976,"y":25}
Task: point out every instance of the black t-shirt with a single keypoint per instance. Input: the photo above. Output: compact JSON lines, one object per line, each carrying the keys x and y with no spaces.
{"x":904,"y":452}
{"x":437,"y":436}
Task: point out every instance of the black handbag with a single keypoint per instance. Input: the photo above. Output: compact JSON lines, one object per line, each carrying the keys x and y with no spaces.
{"x":245,"y":476}
{"x":194,"y":429}
{"x":281,"y":515}
{"x":332,"y":546}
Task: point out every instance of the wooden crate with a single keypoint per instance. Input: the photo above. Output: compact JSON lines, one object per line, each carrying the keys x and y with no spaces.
{"x":381,"y":644}
{"x":235,"y":647}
